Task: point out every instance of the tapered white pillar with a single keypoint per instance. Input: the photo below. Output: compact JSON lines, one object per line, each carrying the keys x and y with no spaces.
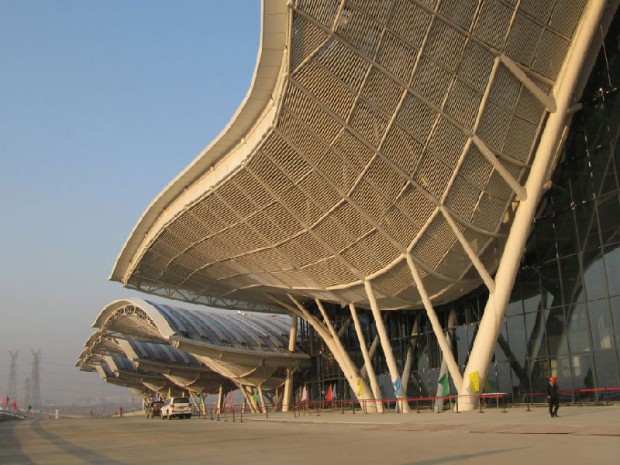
{"x":288,"y":384}
{"x":489,"y":329}
{"x":446,"y":350}
{"x":387,"y":349}
{"x":367,"y":360}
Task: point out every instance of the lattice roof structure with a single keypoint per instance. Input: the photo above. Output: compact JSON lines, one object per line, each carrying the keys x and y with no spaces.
{"x":373,"y":131}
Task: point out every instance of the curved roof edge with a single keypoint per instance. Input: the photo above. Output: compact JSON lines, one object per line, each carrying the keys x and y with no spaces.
{"x":162,"y":325}
{"x":264,"y":80}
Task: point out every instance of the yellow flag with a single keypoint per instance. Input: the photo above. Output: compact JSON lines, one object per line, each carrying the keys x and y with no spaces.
{"x":169,"y":394}
{"x":360,"y":388}
{"x":474,"y":382}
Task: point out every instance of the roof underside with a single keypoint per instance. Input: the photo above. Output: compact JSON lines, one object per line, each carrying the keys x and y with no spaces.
{"x":385,"y":121}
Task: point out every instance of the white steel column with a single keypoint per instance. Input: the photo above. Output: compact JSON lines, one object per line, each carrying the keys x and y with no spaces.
{"x":367,"y":360}
{"x":494,"y":312}
{"x":409,"y":360}
{"x":446,"y":350}
{"x":220,"y":395}
{"x":288,"y":384}
{"x":387,"y":348}
{"x":443,"y":370}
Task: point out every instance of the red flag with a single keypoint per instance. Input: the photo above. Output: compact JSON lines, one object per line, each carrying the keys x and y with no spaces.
{"x":329,"y":397}
{"x":6,"y":401}
{"x":14,"y":405}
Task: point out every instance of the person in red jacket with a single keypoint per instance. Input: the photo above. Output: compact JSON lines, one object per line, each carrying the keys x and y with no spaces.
{"x":553,"y":397}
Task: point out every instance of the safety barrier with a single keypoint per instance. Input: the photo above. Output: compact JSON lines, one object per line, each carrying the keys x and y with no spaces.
{"x":484,"y":401}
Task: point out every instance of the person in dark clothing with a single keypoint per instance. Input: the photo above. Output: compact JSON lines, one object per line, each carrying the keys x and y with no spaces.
{"x":553,"y":397}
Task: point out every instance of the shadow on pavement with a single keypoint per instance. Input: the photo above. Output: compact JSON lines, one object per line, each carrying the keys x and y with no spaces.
{"x":68,"y":447}
{"x":10,"y":447}
{"x":458,"y":457}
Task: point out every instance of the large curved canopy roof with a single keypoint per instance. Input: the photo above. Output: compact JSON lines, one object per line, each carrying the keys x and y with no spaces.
{"x":244,"y":348}
{"x":396,"y":127}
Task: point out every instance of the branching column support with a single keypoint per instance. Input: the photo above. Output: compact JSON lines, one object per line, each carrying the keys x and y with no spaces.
{"x":342,"y":358}
{"x":387,"y":348}
{"x":500,"y":168}
{"x":263,"y":406}
{"x":332,"y":332}
{"x":446,"y":350}
{"x":288,"y":384}
{"x":249,"y":397}
{"x":494,"y":312}
{"x":367,"y":359}
{"x":482,"y":271}
{"x":371,"y":353}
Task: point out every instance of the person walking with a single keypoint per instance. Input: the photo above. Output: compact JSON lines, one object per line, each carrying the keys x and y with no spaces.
{"x":553,"y":397}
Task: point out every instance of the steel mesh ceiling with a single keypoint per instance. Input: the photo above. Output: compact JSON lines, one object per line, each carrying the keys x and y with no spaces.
{"x":373,"y":134}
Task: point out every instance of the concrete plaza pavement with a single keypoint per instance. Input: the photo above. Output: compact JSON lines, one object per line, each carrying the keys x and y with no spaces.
{"x":581,"y":435}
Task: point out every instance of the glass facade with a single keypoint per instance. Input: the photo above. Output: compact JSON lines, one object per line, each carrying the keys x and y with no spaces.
{"x":564,"y":315}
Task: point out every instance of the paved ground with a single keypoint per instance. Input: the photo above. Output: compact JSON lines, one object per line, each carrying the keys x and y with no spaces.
{"x":581,"y":435}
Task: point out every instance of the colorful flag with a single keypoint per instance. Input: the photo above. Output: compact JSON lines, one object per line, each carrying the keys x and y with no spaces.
{"x":329,"y":396}
{"x":360,"y":387}
{"x":474,"y":382}
{"x":398,"y":387}
{"x":445,"y":385}
{"x":169,"y":393}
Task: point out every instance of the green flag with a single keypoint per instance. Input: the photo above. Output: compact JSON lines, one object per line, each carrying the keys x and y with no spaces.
{"x":445,"y":385}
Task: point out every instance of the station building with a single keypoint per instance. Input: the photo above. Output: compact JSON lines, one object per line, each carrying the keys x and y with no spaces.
{"x":426,"y":188}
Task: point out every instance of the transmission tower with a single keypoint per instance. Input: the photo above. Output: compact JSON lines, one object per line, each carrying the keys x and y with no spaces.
{"x":27,"y":394}
{"x":11,"y":392}
{"x":35,"y":390}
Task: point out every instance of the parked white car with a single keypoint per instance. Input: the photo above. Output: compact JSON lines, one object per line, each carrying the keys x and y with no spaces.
{"x":176,"y":407}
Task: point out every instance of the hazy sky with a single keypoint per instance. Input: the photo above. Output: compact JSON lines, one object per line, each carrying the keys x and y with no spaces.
{"x":102,"y":103}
